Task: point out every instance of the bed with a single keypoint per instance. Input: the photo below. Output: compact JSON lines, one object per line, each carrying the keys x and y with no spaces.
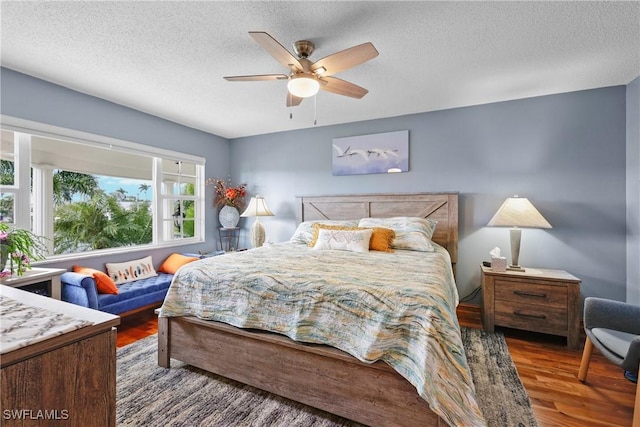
{"x":318,"y":362}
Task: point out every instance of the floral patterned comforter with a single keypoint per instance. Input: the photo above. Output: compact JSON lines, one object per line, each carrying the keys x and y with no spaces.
{"x":396,"y":307}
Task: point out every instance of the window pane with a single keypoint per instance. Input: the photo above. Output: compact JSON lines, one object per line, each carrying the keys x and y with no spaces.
{"x":170,"y":186}
{"x":7,"y":208}
{"x":95,"y":212}
{"x":187,"y":187}
{"x":7,"y":153}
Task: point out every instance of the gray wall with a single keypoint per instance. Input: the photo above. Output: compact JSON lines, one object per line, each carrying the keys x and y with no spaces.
{"x":633,"y":191}
{"x":565,"y":152}
{"x":33,"y":99}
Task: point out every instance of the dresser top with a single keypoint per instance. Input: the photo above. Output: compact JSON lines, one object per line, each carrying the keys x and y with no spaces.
{"x":28,"y":319}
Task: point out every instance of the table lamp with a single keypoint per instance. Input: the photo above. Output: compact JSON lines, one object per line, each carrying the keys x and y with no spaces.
{"x":517,"y":212}
{"x":257,"y":207}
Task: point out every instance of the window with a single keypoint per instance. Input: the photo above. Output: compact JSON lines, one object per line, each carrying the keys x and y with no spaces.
{"x":7,"y":177}
{"x":89,"y":193}
{"x":178,"y":184}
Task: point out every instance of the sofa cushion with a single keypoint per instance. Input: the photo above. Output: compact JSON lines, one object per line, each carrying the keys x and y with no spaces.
{"x":174,"y":262}
{"x":137,"y":288}
{"x":123,"y":272}
{"x":104,"y":283}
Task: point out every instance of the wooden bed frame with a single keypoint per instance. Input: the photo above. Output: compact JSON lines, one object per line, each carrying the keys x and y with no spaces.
{"x":316,"y":375}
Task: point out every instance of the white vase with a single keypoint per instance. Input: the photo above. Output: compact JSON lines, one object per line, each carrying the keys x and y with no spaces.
{"x":229,"y":216}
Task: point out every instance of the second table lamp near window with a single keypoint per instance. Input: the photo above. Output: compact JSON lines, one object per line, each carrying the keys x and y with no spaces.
{"x":517,"y":212}
{"x":257,"y":207}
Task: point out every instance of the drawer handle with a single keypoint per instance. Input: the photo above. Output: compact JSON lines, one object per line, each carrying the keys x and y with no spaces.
{"x":537,"y":316}
{"x":530,"y":294}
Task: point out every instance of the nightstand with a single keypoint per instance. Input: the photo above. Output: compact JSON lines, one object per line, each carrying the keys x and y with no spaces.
{"x":536,"y":300}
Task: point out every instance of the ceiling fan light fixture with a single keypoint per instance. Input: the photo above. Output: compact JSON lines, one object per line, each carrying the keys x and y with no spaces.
{"x":303,"y":86}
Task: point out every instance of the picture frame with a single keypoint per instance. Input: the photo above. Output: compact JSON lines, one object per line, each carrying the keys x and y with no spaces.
{"x":386,"y":152}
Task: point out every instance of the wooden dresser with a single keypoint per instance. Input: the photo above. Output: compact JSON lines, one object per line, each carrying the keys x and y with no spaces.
{"x":58,"y":362}
{"x":537,"y":300}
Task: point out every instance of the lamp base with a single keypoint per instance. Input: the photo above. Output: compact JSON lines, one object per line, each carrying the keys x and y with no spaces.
{"x":515,"y":268}
{"x":257,"y":234}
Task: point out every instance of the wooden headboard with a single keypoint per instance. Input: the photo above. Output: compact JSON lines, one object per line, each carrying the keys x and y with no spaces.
{"x":443,"y":207}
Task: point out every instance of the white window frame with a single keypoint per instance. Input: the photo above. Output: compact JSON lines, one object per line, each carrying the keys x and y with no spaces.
{"x":43,"y":200}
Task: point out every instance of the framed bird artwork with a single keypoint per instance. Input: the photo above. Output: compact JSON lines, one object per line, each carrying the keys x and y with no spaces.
{"x":376,"y":153}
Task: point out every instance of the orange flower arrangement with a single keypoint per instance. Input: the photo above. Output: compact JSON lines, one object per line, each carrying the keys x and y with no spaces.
{"x":227,"y":194}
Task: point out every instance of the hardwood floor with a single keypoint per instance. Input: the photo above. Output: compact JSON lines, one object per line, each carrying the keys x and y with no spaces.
{"x":546,"y":367}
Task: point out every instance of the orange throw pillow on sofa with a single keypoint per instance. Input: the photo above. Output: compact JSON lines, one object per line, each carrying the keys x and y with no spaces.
{"x":174,"y":262}
{"x":104,"y":283}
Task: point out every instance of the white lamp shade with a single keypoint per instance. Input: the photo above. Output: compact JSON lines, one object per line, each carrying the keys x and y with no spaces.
{"x":303,"y":86}
{"x":257,"y":207}
{"x":518,"y":212}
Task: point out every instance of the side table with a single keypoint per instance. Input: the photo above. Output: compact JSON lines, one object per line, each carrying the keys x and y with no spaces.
{"x":229,"y":238}
{"x":43,"y":281}
{"x":536,"y":300}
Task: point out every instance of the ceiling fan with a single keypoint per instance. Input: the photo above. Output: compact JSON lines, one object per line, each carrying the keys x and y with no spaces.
{"x":306,"y":77}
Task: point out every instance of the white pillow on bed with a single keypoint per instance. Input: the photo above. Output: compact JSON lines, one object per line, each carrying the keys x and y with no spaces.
{"x":412,"y":233}
{"x":344,"y":240}
{"x":304,"y":233}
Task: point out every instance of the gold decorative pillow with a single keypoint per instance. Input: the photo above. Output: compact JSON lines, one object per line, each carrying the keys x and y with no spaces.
{"x":318,"y":225}
{"x":381,"y":238}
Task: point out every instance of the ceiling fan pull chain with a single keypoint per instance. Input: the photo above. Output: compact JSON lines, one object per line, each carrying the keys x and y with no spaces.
{"x":315,"y":109}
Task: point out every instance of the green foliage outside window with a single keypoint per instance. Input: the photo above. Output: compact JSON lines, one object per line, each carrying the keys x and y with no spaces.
{"x":98,"y":220}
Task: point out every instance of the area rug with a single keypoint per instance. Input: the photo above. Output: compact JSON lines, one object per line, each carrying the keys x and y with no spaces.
{"x":148,"y":395}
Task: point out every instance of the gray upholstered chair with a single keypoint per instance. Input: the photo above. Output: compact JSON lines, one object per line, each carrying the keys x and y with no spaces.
{"x":614,"y":328}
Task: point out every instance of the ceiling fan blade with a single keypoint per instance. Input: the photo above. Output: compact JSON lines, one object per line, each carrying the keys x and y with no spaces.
{"x":345,"y":59}
{"x":275,"y":49}
{"x":257,"y":77}
{"x":342,"y":87}
{"x":292,"y":100}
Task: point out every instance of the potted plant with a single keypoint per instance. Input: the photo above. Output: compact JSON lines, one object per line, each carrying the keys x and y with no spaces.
{"x":18,"y":248}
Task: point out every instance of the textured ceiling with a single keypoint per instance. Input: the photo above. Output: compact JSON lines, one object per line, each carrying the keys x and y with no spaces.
{"x":168,"y":58}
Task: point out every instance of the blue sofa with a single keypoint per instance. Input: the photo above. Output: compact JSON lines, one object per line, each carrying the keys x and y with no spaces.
{"x":133,"y":296}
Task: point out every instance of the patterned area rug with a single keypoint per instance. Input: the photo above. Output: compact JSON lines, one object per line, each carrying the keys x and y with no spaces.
{"x":148,"y":395}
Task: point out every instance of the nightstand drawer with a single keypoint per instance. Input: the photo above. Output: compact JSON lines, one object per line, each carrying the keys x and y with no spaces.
{"x":532,"y":317}
{"x":527,"y":293}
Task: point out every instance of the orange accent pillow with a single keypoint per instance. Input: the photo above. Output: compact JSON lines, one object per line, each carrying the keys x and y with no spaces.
{"x":174,"y":262}
{"x":381,"y":239}
{"x":104,"y":283}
